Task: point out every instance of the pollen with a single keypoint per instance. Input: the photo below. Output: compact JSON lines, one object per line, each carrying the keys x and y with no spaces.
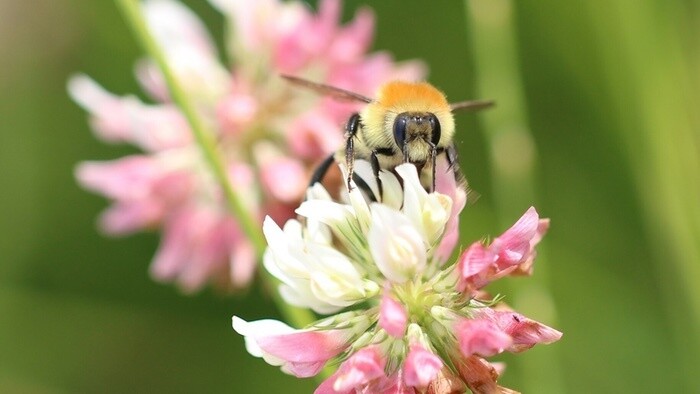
{"x":406,"y":96}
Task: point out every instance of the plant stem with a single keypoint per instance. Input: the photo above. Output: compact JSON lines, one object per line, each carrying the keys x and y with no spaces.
{"x":131,"y":11}
{"x":513,"y":157}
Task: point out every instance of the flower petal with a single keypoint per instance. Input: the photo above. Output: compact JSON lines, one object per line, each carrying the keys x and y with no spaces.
{"x":300,"y":352}
{"x":447,"y":184}
{"x":396,"y":246}
{"x":525,"y":332}
{"x":481,"y":337}
{"x":421,"y":367}
{"x":514,"y":245}
{"x":392,"y":316}
{"x":356,"y":373}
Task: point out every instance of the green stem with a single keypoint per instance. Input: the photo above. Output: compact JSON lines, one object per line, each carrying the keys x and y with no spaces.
{"x":205,"y":139}
{"x":513,"y":156}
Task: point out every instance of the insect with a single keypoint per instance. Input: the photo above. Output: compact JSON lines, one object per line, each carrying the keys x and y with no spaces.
{"x":405,"y":123}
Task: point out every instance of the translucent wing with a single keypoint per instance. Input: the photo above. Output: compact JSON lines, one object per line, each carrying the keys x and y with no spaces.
{"x":473,"y":105}
{"x":338,"y":93}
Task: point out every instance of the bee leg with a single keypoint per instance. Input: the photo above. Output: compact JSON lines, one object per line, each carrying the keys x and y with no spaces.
{"x":321,"y":170}
{"x":365,"y":188}
{"x":451,"y":154}
{"x":350,"y":133}
{"x":375,"y":169}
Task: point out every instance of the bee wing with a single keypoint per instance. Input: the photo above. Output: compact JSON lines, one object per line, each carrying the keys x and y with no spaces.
{"x":338,"y":93}
{"x":473,"y":105}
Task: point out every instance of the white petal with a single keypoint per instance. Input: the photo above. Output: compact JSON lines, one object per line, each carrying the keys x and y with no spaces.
{"x":396,"y":245}
{"x":327,"y":212}
{"x":413,"y":194}
{"x":393,"y":193}
{"x":363,"y":169}
{"x":435,"y":213}
{"x":360,"y":207}
{"x":303,"y":297}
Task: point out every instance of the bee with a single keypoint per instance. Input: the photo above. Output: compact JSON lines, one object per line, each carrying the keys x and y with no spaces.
{"x":405,"y":123}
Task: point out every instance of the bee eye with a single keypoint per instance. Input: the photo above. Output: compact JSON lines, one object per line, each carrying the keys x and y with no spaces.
{"x":435,"y":126}
{"x":400,"y":130}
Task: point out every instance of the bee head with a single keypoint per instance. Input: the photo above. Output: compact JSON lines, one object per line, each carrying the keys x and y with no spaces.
{"x":408,"y":118}
{"x":409,"y":126}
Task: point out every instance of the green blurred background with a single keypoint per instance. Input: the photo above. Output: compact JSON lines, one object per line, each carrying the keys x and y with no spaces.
{"x":604,"y":91}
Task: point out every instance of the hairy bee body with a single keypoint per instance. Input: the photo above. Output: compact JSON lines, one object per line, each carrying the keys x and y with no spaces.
{"x":426,"y":127}
{"x":405,"y":123}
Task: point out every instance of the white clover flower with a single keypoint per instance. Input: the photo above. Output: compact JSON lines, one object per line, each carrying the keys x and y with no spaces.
{"x":377,"y":242}
{"x":411,"y":323}
{"x":312,"y":272}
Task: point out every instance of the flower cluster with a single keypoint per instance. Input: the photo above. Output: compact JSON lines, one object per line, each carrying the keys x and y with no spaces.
{"x":269,"y":133}
{"x":406,"y":321}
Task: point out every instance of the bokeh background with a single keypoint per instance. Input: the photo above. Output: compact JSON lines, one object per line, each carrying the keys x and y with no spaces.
{"x":597,"y":125}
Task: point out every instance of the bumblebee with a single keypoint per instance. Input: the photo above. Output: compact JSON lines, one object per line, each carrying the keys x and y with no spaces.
{"x":405,"y":123}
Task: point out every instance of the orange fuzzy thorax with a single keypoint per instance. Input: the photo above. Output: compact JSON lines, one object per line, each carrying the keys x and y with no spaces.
{"x":407,"y":96}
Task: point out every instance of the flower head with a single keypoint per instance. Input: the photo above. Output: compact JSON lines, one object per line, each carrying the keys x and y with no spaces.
{"x":428,"y":325}
{"x":270,"y":133}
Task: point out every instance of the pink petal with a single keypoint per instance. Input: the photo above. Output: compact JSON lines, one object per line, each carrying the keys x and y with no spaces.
{"x":526,"y":267}
{"x":314,"y":135}
{"x":302,"y":353}
{"x":127,"y":217}
{"x":195,"y":248}
{"x":211,"y":242}
{"x":392,"y":385}
{"x":481,"y":337}
{"x":243,"y":262}
{"x":446,"y":183}
{"x":354,"y":39}
{"x":303,"y":370}
{"x":392,"y":316}
{"x":357,"y":372}
{"x":304,"y":346}
{"x":236,"y":112}
{"x":475,"y":260}
{"x":284,"y":178}
{"x":309,"y":39}
{"x":474,"y":267}
{"x":514,"y":245}
{"x":525,"y":332}
{"x":173,"y":250}
{"x":326,"y":387}
{"x":143,"y":188}
{"x":130,"y":177}
{"x":126,"y":119}
{"x":421,"y":367}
